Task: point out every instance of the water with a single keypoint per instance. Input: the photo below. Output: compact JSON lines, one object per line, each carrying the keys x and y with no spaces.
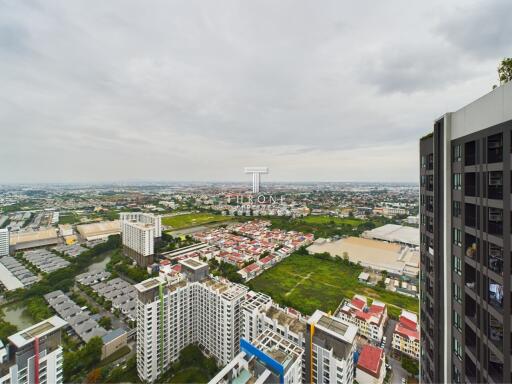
{"x":14,"y":314}
{"x":99,"y":265}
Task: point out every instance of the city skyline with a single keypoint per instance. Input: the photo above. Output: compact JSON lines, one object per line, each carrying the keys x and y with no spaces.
{"x":155,"y":93}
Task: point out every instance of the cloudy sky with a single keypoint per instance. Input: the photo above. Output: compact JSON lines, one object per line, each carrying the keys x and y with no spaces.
{"x":196,"y":90}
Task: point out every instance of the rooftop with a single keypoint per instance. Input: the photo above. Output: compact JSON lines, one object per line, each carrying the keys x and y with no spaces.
{"x":370,"y":360}
{"x":37,"y":330}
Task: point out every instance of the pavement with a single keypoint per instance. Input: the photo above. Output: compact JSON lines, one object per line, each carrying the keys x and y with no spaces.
{"x":396,"y":368}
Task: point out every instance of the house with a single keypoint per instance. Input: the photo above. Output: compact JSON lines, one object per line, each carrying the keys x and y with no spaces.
{"x":371,"y":365}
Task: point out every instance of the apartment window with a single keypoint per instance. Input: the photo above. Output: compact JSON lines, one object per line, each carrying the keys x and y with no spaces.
{"x":457,"y":152}
{"x":457,"y":348}
{"x":457,"y":265}
{"x":456,"y":210}
{"x":457,"y":321}
{"x":423,"y":161}
{"x":457,"y":236}
{"x":457,"y":293}
{"x":457,"y":181}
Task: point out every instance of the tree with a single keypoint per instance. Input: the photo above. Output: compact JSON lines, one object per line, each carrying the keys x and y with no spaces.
{"x":94,"y":376}
{"x":105,"y":322}
{"x":505,"y":70}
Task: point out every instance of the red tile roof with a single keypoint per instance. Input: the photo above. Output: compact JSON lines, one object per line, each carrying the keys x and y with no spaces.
{"x":408,"y":323}
{"x":407,"y":332}
{"x":370,"y":360}
{"x":358,"y":303}
{"x":252,"y":267}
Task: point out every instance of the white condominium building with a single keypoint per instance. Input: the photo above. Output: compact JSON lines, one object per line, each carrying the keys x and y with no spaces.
{"x":330,"y":349}
{"x":370,"y":320}
{"x":139,"y":241}
{"x":259,"y":313}
{"x":190,"y":308}
{"x":4,"y":242}
{"x":144,"y":218}
{"x":270,"y":358}
{"x":33,"y":355}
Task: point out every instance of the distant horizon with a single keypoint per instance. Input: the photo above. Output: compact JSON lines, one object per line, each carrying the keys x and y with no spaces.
{"x":169,"y":182}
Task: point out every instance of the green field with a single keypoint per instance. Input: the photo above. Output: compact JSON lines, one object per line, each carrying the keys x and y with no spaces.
{"x":193,"y":219}
{"x":307,"y":283}
{"x":327,"y":226}
{"x":333,"y":220}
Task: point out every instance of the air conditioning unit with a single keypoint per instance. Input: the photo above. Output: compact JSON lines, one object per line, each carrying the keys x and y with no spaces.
{"x":495,"y":217}
{"x":494,"y":144}
{"x":495,"y":181}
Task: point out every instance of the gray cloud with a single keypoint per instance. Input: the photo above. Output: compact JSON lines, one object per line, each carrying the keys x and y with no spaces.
{"x":191,"y":90}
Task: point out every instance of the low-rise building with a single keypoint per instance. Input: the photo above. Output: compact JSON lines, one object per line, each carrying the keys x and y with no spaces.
{"x":370,"y":320}
{"x":406,"y":338}
{"x":371,"y":365}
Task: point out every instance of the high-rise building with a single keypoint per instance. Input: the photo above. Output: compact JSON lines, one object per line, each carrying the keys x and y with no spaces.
{"x":34,"y":355}
{"x":190,"y":308}
{"x":138,"y":242}
{"x":4,"y":242}
{"x":465,"y":177}
{"x":271,"y":358}
{"x":145,"y":218}
{"x":330,"y":349}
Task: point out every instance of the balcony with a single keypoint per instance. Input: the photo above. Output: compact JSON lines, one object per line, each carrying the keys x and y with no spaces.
{"x":470,"y":153}
{"x":471,"y":244}
{"x":495,"y":368}
{"x":470,"y":310}
{"x":470,"y":215}
{"x":471,"y":371}
{"x":471,"y":340}
{"x":495,"y":185}
{"x":470,"y":181}
{"x":495,"y":223}
{"x":495,"y":148}
{"x":470,"y":278}
{"x":495,"y":259}
{"x":495,"y":295}
{"x":495,"y":332}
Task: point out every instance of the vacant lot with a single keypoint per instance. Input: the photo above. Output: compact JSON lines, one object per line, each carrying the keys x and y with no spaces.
{"x":333,"y":220}
{"x":193,"y":219}
{"x":307,"y":283}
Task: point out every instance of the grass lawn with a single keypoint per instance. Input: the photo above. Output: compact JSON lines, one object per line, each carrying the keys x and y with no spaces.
{"x":193,"y":219}
{"x":335,"y":220}
{"x":307,"y":283}
{"x":190,"y":375}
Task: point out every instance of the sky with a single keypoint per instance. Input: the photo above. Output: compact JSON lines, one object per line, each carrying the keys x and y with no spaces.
{"x":98,"y":91}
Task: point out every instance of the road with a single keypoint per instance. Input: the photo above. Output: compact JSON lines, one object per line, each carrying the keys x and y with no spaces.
{"x":396,"y":367}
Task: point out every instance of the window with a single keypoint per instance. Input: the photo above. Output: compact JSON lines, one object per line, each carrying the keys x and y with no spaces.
{"x":457,"y":152}
{"x":457,"y":265}
{"x":423,"y":161}
{"x":457,"y":236}
{"x":457,"y":293}
{"x":456,"y":208}
{"x":457,"y":181}
{"x":457,"y":321}
{"x":457,"y":348}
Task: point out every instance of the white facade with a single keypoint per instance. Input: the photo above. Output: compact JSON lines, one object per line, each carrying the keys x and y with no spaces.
{"x":259,"y":313}
{"x":144,"y":218}
{"x":332,"y":346}
{"x":4,"y":242}
{"x":139,"y":237}
{"x":173,"y":314}
{"x":25,"y":365}
{"x":369,"y":320}
{"x":249,"y":368}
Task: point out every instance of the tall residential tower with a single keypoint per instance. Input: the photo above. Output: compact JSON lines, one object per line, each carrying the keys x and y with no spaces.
{"x":465,"y":208}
